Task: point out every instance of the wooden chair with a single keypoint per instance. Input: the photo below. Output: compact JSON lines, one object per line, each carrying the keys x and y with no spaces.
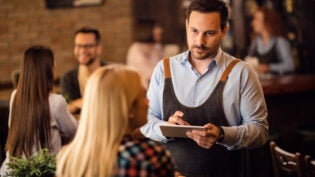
{"x":310,"y":166}
{"x":286,"y":163}
{"x":307,"y":139}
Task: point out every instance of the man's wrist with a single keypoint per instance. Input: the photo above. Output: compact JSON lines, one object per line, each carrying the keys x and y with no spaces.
{"x":221,"y":134}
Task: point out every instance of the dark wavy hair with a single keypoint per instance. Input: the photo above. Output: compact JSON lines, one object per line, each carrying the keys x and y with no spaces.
{"x":206,"y":6}
{"x":30,"y":113}
{"x":144,"y":30}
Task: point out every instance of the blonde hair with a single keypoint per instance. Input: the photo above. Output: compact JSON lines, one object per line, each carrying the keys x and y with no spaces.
{"x":109,"y":95}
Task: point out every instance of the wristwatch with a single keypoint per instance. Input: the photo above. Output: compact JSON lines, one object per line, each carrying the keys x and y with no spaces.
{"x":221,"y":136}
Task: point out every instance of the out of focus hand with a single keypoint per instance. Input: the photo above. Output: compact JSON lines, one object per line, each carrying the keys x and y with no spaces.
{"x":177,"y":118}
{"x":177,"y":174}
{"x":75,"y":105}
{"x":205,"y":139}
{"x":263,"y":68}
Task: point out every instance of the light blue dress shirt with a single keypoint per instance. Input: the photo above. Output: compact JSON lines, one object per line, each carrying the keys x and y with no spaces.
{"x":243,"y":98}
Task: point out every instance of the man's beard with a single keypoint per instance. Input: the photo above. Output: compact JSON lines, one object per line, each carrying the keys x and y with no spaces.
{"x":204,"y":49}
{"x":208,"y":52}
{"x":90,"y":61}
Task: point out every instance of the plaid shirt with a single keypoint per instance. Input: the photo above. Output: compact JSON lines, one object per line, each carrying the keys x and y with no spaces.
{"x":143,"y":158}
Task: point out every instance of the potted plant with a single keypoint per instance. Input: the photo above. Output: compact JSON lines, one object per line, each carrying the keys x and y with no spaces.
{"x":42,"y":164}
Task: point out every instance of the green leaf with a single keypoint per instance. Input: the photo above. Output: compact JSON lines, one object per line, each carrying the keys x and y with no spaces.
{"x":42,"y":164}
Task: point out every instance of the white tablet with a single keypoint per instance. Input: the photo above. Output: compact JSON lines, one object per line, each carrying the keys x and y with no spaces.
{"x":178,"y":131}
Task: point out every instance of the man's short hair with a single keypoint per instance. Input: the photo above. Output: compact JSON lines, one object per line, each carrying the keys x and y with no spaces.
{"x":87,"y":29}
{"x":206,"y":6}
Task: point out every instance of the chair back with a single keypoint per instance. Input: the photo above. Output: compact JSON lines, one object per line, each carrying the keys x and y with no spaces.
{"x":286,"y":163}
{"x":310,"y":166}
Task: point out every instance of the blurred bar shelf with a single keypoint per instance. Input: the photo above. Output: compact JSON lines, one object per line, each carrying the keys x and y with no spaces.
{"x":288,"y":84}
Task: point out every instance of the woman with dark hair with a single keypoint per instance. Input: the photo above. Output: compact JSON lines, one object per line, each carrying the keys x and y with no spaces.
{"x":38,"y":117}
{"x":270,"y":46}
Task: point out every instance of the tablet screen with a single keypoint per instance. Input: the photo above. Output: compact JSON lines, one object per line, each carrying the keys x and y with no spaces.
{"x":179,"y":131}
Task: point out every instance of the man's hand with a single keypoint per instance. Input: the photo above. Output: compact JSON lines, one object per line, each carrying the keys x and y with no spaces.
{"x":177,"y":118}
{"x":205,"y":139}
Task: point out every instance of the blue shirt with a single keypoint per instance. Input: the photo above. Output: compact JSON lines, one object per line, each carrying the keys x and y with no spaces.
{"x":243,"y":99}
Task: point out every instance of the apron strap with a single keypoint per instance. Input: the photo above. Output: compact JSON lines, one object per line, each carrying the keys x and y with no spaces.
{"x":167,"y":70}
{"x":228,"y":70}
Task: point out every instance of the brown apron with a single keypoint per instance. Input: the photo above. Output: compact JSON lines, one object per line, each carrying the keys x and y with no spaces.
{"x":191,"y":159}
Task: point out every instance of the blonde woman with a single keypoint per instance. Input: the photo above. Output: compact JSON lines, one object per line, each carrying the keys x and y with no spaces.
{"x":114,"y":106}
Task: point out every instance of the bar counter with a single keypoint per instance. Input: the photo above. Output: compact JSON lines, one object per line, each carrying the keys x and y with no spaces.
{"x":288,"y":84}
{"x":290,"y":101}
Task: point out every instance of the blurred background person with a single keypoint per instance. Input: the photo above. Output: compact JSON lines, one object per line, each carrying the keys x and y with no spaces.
{"x":114,"y":105}
{"x":87,"y":50}
{"x":270,"y":51}
{"x":147,"y":50}
{"x":227,"y":43}
{"x":38,"y":117}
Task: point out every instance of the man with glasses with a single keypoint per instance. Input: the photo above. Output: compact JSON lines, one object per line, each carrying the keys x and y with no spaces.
{"x":87,"y":50}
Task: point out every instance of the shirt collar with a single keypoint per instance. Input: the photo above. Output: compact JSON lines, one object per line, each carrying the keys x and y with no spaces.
{"x":217,"y":59}
{"x":185,"y":57}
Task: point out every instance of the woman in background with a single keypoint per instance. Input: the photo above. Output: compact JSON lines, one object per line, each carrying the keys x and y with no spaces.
{"x":115,"y":104}
{"x":270,"y":45}
{"x":147,"y":50}
{"x":38,"y":117}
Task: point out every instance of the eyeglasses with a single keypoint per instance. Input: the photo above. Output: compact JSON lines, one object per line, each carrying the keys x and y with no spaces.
{"x":85,"y":46}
